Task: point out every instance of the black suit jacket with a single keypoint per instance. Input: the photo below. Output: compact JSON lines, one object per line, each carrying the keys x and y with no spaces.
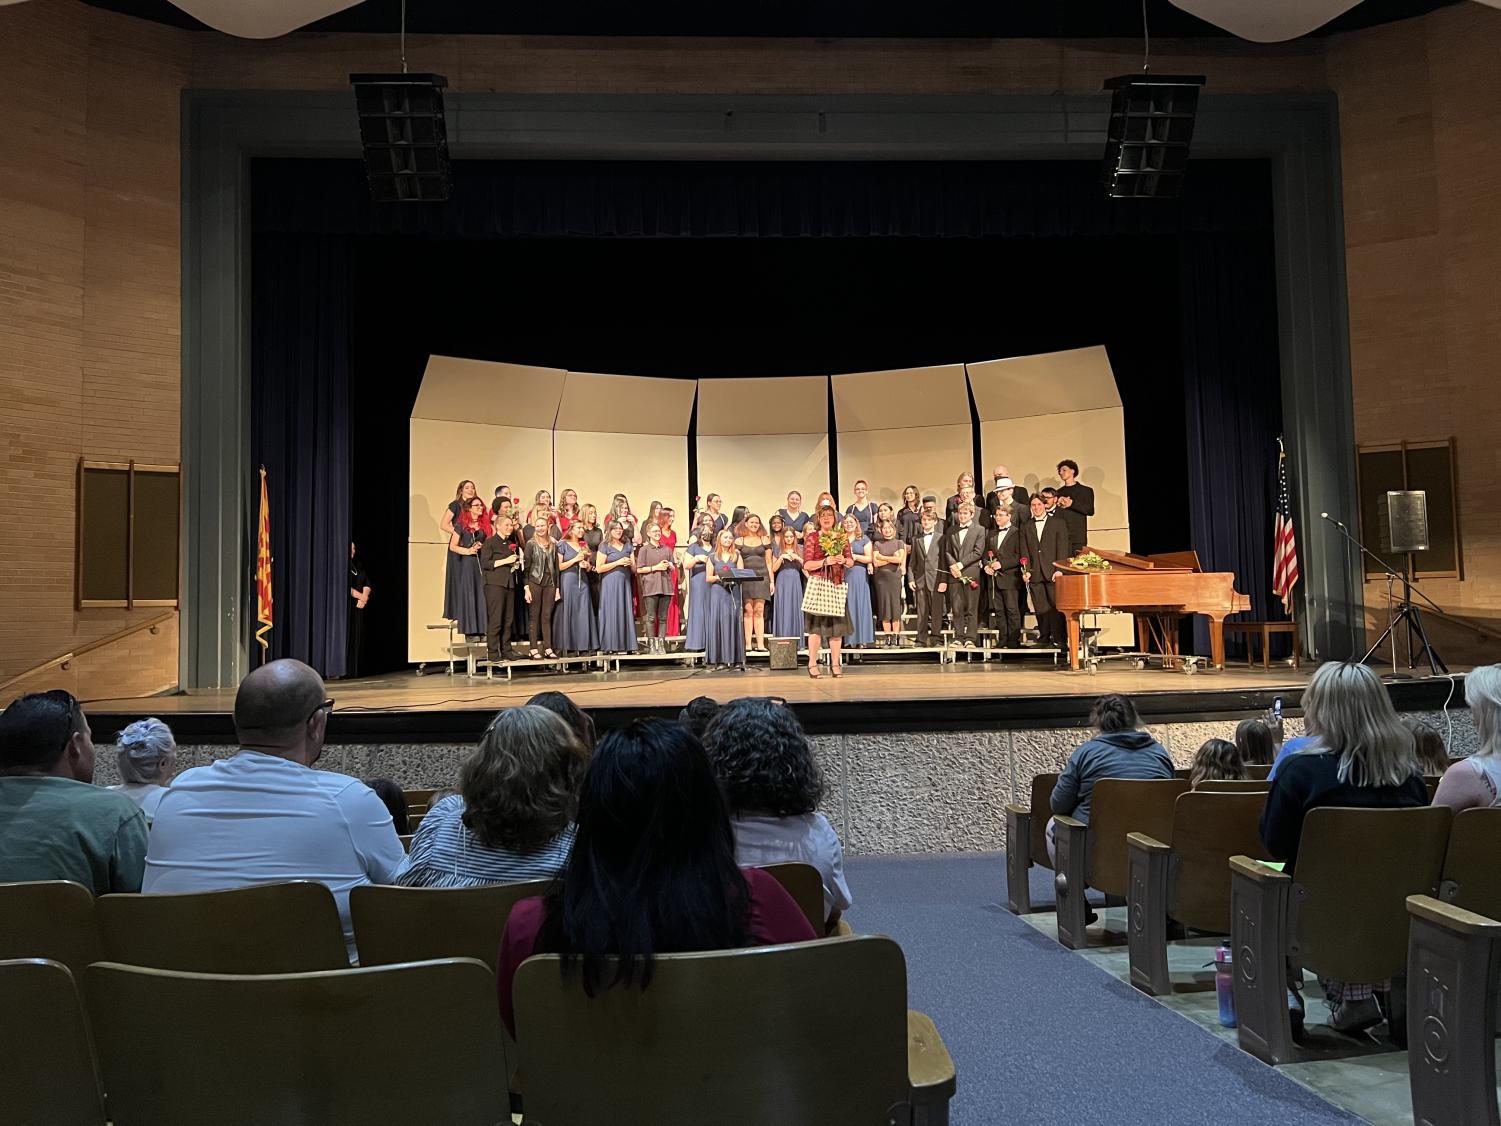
{"x":1019,"y":496}
{"x":1042,"y":554}
{"x":966,"y":547}
{"x":1076,"y":516}
{"x":1007,"y":546}
{"x":498,"y":548}
{"x":924,"y":566}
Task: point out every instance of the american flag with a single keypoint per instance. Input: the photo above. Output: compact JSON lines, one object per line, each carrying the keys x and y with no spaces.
{"x":1284,"y":540}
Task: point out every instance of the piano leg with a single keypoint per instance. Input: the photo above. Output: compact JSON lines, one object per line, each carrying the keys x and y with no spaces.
{"x":1217,"y":641}
{"x":1073,"y":641}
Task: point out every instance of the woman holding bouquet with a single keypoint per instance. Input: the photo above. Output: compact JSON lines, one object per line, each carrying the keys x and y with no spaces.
{"x":826,"y":554}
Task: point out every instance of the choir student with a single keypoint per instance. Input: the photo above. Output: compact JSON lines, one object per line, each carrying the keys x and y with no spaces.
{"x":502,"y":493}
{"x":1007,"y":492}
{"x":500,"y":559}
{"x":460,"y":503}
{"x":540,"y":560}
{"x":617,"y":623}
{"x":620,"y":513}
{"x":717,"y":519}
{"x":594,"y":535}
{"x":951,"y":507}
{"x":864,"y":509}
{"x":670,"y":541}
{"x":909,"y":516}
{"x":464,"y":591}
{"x":787,"y":588}
{"x":653,"y":566}
{"x":568,"y":509}
{"x":963,"y":549}
{"x":724,"y":640}
{"x":755,"y":553}
{"x":793,"y":515}
{"x":861,"y":613}
{"x":1045,"y":542}
{"x":695,"y":561}
{"x":889,"y":555}
{"x":1075,"y":505}
{"x":737,"y":520}
{"x":574,"y":623}
{"x":1003,"y":554}
{"x":818,"y":562}
{"x":925,"y":577}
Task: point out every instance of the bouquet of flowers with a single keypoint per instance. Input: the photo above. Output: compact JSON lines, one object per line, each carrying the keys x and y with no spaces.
{"x":1090,"y":561}
{"x":834,"y":542}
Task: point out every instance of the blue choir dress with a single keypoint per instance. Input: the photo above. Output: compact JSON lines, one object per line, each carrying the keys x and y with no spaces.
{"x":787,"y":602}
{"x":573,"y":626}
{"x":617,"y":624}
{"x":724,"y":629}
{"x":698,"y":601}
{"x":464,"y":588}
{"x":861,"y":613}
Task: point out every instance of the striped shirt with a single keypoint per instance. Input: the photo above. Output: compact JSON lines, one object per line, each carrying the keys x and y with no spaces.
{"x":447,"y":854}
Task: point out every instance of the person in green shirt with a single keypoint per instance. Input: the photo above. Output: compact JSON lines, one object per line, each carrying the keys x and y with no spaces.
{"x":55,"y":824}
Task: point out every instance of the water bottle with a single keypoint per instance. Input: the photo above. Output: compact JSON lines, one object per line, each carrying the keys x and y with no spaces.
{"x":1224,"y":985}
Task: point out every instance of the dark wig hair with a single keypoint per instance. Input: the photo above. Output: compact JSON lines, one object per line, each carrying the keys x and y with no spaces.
{"x":653,"y":865}
{"x":570,"y":713}
{"x":1254,"y":738}
{"x":1114,"y":713}
{"x":763,"y":760}
{"x":697,"y":713}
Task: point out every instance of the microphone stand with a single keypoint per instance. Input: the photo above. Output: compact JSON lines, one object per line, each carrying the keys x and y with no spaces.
{"x":1407,"y":612}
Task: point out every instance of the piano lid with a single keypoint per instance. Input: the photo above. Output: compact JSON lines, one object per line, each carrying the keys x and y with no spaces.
{"x":1167,"y":563}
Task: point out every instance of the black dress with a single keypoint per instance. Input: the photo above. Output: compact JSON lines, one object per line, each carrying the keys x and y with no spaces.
{"x":593,"y":537}
{"x":887,"y":580}
{"x":354,"y":632}
{"x":754,"y":559}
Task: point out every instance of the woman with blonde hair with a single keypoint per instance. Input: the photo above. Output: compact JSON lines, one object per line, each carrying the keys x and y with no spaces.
{"x":512,"y":818}
{"x":1361,"y":755}
{"x":1475,"y":782}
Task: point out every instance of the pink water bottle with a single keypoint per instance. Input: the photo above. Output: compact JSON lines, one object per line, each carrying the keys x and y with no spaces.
{"x":1224,"y":985}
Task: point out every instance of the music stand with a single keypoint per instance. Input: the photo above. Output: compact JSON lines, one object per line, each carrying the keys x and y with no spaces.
{"x":732,"y":577}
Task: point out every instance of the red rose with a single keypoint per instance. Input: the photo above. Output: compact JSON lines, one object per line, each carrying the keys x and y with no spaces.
{"x":974,"y":584}
{"x":1025,"y":560}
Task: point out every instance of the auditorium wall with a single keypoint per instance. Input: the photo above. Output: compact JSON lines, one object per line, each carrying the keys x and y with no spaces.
{"x":1421,"y":142}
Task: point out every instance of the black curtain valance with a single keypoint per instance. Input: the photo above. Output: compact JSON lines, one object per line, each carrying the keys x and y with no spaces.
{"x":788,"y":199}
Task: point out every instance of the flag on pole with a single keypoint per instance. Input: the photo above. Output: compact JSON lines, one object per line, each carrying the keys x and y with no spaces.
{"x":1284,"y":540}
{"x":263,"y":570}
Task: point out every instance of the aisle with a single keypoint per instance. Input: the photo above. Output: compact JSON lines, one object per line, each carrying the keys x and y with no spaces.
{"x":1037,"y":1033}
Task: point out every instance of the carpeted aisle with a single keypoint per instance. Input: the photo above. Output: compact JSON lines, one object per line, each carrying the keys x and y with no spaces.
{"x":1038,"y":1035}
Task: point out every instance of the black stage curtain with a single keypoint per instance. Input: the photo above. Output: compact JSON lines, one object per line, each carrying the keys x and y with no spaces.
{"x":300,"y":431}
{"x":1000,"y":259}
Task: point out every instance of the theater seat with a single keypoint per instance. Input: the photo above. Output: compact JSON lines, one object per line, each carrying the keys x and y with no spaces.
{"x":1472,"y":875}
{"x":1233,"y":786}
{"x":805,"y":885}
{"x":1027,"y":843}
{"x":806,"y":1032}
{"x":408,"y":1044}
{"x":47,"y":1072}
{"x":398,"y":924}
{"x":49,"y":919}
{"x":290,"y":927}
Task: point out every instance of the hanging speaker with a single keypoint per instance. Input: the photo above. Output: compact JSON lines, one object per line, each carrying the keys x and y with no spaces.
{"x":1151,"y":124}
{"x":405,"y":136}
{"x":1404,"y":521}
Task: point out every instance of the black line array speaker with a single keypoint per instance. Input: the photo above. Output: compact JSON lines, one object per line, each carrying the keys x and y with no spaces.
{"x":1151,"y":125}
{"x":405,"y":136}
{"x":1404,"y":521}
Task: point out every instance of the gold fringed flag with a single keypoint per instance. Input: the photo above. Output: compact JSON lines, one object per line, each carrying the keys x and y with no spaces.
{"x":263,"y":570}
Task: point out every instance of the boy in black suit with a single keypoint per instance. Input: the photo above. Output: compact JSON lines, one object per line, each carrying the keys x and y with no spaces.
{"x":1003,"y":552}
{"x":963,"y":549}
{"x":1075,"y":505}
{"x":925,"y":578}
{"x":1045,"y":541}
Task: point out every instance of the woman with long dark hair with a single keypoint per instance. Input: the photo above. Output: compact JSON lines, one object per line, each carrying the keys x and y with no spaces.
{"x":696,"y":561}
{"x":464,"y":589}
{"x":652,"y":871}
{"x":613,"y":562}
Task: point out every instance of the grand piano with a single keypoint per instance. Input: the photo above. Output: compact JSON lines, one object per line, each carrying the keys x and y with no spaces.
{"x":1159,"y":590}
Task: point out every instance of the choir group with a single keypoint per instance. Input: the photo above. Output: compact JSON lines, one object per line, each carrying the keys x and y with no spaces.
{"x":568,"y":582}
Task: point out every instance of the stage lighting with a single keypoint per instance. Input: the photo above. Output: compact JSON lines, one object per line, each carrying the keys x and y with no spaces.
{"x":1151,"y":123}
{"x":404,"y":134}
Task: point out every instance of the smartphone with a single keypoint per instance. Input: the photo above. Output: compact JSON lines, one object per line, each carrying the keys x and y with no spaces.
{"x":1277,"y":708}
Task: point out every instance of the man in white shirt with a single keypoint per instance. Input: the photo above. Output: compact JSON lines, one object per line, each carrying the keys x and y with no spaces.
{"x":265,"y":815}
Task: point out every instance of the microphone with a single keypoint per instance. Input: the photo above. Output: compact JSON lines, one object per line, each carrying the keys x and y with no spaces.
{"x":1332,"y":520}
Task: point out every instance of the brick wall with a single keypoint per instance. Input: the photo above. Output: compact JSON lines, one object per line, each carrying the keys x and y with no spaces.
{"x":1420,"y":134}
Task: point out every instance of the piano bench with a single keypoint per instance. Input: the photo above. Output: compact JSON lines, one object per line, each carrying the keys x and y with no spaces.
{"x":1264,"y":631}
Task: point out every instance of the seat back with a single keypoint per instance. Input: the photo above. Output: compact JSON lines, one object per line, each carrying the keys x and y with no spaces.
{"x":1042,"y":811}
{"x":1258,"y":770}
{"x":1119,"y":806}
{"x":805,"y":885}
{"x":1472,"y":876}
{"x":273,"y":929}
{"x":396,"y":924}
{"x":49,"y":919}
{"x":1234,"y":786}
{"x":721,"y":1037}
{"x":48,"y":1073}
{"x":1356,"y":868}
{"x":397,"y":1044}
{"x":1208,"y":829}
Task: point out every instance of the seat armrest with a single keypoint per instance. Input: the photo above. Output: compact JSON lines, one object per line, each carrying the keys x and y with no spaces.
{"x":1063,"y":821}
{"x":1018,"y":858}
{"x":1146,"y":843}
{"x":1256,"y":870}
{"x":1071,"y":849}
{"x":1262,"y":934}
{"x":1452,"y":918}
{"x":930,"y":1068}
{"x":1019,"y":810}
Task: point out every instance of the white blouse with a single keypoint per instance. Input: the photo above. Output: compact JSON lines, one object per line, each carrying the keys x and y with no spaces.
{"x":805,"y":838}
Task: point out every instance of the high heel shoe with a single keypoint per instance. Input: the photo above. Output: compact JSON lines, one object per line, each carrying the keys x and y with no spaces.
{"x":813,"y":672}
{"x":836,"y":670}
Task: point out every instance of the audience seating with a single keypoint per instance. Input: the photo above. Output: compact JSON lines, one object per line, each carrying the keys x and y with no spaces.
{"x":1234,"y":786}
{"x":1027,"y":842}
{"x":1094,"y":855}
{"x":397,"y":924}
{"x":807,"y":1032}
{"x":418,"y":801}
{"x":1472,"y":876}
{"x":413,"y":1043}
{"x":1452,"y":973}
{"x":48,"y":1073}
{"x":1188,"y":881}
{"x":406,"y":840}
{"x":1259,"y":771}
{"x":292,"y":927}
{"x":805,"y":885}
{"x":49,"y":919}
{"x":1343,"y":915}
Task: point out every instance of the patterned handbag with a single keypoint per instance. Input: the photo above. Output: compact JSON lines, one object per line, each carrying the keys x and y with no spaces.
{"x":824,"y":598}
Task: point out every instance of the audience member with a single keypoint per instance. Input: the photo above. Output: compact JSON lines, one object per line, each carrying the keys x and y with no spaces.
{"x":653,"y":871}
{"x":773,"y":787}
{"x":512,"y":818}
{"x":697,"y":714}
{"x":1217,"y":760}
{"x":54,"y":823}
{"x":146,"y":754}
{"x":1427,"y":747}
{"x":1119,"y":750}
{"x":265,"y":815}
{"x":1362,"y":756}
{"x":1475,"y":782}
{"x":1256,"y":742}
{"x":394,"y":799}
{"x":570,"y":713}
